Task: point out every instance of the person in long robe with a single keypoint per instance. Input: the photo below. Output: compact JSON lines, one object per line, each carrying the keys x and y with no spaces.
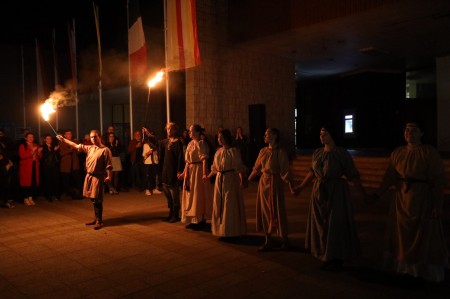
{"x":331,"y":234}
{"x":415,"y":242}
{"x":272,"y":165}
{"x":197,"y":196}
{"x":98,"y":172}
{"x":228,"y":217}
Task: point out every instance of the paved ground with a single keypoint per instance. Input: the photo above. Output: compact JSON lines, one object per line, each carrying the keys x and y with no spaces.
{"x":46,"y":251}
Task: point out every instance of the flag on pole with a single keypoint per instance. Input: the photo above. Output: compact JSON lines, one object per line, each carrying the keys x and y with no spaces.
{"x":181,"y":42}
{"x":137,"y":48}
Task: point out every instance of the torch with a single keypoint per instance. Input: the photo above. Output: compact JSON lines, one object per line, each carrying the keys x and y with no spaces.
{"x":151,"y":83}
{"x":46,"y":110}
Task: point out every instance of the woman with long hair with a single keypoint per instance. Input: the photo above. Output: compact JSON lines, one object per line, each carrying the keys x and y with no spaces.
{"x":228,"y":218}
{"x":331,"y":234}
{"x":29,"y":174}
{"x":196,"y":200}
{"x":272,"y":165}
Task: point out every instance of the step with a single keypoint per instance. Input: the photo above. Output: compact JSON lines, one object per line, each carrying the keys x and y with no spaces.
{"x":372,"y":169}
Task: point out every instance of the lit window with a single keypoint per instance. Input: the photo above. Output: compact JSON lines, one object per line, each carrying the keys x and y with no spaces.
{"x":348,"y":123}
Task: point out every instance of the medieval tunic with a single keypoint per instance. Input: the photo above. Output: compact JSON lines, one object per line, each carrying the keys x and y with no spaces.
{"x":228,"y":217}
{"x":415,"y":242}
{"x":273,"y":166}
{"x":98,"y":160}
{"x":331,"y":231}
{"x":196,"y":202}
{"x":171,"y":158}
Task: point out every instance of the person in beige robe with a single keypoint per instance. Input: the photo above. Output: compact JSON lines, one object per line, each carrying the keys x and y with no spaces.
{"x":228,"y":217}
{"x":415,"y":242}
{"x":331,"y":234}
{"x":197,"y":196}
{"x":272,"y":165}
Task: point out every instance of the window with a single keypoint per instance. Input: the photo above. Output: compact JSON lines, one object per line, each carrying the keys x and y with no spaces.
{"x":348,"y":119}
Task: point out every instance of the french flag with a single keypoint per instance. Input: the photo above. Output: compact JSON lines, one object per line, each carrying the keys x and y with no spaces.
{"x":137,"y":48}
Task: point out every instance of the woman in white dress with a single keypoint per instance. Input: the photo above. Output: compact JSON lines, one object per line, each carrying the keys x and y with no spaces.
{"x":228,"y":217}
{"x":196,"y":200}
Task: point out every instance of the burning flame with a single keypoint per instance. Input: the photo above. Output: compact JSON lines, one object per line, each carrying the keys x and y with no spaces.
{"x":47,"y":109}
{"x":158,"y":77}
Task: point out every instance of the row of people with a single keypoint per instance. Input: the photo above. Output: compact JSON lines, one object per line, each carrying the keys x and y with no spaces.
{"x":415,"y":243}
{"x":47,"y":168}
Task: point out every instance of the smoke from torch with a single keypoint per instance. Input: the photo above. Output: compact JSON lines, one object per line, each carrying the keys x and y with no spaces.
{"x":58,"y":98}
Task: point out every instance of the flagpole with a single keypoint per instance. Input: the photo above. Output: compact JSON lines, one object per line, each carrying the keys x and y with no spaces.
{"x":38,"y":70}
{"x":75,"y":75}
{"x":129,"y":71}
{"x":55,"y":71}
{"x":100,"y":66}
{"x":167,"y":71}
{"x":23,"y":89}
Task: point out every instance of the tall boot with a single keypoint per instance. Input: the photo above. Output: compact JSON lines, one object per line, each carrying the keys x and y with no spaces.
{"x":169,"y":217}
{"x":175,"y":216}
{"x":98,"y":210}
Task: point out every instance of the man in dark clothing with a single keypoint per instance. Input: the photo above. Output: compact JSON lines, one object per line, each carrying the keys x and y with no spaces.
{"x":5,"y":180}
{"x":172,"y":159}
{"x":137,"y":161}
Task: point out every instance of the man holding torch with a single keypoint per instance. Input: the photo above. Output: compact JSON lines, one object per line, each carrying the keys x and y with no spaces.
{"x":98,"y":172}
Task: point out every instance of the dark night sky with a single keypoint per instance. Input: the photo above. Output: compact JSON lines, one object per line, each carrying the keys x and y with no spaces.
{"x":22,"y":22}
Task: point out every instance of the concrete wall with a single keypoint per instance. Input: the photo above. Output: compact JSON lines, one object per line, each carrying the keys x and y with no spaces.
{"x":229,"y":79}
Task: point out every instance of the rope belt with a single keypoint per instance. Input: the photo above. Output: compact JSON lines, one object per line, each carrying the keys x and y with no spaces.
{"x":226,"y":171}
{"x":197,"y":162}
{"x":97,"y":175}
{"x":325,"y":179}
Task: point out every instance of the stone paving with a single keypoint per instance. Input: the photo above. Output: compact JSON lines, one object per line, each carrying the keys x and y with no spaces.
{"x":46,"y":251}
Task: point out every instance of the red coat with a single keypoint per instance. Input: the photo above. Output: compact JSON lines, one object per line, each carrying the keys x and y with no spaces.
{"x":26,"y":165}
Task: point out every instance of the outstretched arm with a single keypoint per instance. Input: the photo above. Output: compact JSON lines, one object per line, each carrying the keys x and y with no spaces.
{"x":71,"y":143}
{"x":254,"y":174}
{"x":308,"y":178}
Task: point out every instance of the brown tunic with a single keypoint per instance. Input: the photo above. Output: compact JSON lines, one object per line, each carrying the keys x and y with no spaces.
{"x":98,"y":160}
{"x":273,"y":165}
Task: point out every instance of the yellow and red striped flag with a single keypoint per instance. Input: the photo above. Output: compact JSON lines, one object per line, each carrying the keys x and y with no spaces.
{"x":181,"y":39}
